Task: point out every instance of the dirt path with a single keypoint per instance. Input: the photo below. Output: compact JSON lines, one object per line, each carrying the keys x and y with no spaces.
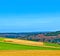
{"x":31,"y":53}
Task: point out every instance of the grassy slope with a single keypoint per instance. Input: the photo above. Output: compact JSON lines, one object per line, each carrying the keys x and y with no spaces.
{"x":11,"y":46}
{"x":52,"y":44}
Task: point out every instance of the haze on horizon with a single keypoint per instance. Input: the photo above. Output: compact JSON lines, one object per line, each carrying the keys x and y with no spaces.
{"x":29,"y":15}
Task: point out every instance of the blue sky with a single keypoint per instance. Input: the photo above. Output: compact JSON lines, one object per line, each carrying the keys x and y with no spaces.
{"x":29,"y":15}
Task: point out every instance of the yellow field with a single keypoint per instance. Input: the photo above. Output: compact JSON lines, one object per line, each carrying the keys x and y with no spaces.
{"x":30,"y":53}
{"x":25,"y":42}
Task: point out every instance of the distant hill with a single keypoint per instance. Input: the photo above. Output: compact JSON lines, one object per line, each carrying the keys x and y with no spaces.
{"x":53,"y":37}
{"x":52,"y":33}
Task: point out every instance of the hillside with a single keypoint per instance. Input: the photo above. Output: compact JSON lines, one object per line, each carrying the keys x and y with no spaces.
{"x":13,"y":46}
{"x":52,"y":37}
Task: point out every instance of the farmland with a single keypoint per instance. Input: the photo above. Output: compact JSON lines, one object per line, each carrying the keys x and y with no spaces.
{"x":14,"y":49}
{"x":15,"y":46}
{"x":30,"y":53}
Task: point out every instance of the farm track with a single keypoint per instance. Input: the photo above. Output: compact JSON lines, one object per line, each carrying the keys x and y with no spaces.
{"x":30,"y":53}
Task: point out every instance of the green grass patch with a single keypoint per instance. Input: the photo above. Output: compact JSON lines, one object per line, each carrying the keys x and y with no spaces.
{"x":1,"y":38}
{"x":10,"y":46}
{"x":52,"y":44}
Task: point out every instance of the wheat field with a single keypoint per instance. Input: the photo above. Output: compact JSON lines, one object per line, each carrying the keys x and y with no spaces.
{"x":30,"y":53}
{"x":25,"y":42}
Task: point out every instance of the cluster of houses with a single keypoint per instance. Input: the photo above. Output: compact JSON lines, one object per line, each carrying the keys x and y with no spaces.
{"x":43,"y":38}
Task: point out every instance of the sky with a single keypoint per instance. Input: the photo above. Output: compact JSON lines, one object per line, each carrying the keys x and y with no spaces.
{"x":29,"y":15}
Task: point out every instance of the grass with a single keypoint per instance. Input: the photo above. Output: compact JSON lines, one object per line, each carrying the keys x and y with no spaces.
{"x":1,"y":38}
{"x":10,"y":46}
{"x":52,"y":44}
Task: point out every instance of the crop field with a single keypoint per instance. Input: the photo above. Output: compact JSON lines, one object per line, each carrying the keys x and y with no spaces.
{"x":10,"y":48}
{"x":30,"y":53}
{"x":15,"y":44}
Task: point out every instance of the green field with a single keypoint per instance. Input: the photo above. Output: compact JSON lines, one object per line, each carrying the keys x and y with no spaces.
{"x":11,"y":46}
{"x":52,"y":44}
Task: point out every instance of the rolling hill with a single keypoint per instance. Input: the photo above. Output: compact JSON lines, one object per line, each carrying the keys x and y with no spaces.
{"x":13,"y":46}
